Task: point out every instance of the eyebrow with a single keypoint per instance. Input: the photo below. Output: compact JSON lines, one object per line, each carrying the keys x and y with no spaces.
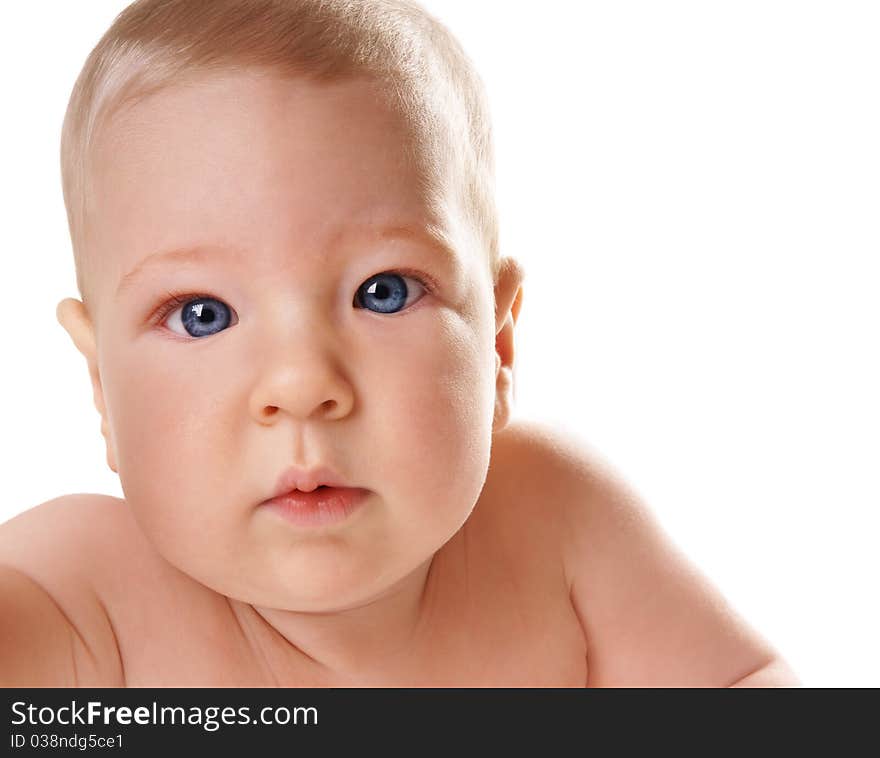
{"x":430,"y":236}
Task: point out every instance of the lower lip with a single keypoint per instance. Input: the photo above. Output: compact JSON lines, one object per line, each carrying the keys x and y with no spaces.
{"x":320,"y":507}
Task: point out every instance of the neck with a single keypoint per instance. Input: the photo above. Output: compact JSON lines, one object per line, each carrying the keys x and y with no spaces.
{"x":349,"y":644}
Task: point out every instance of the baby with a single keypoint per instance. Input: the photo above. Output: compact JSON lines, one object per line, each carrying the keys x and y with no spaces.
{"x":300,"y":337}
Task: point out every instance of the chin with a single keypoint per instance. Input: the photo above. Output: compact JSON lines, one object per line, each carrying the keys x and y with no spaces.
{"x":308,"y":589}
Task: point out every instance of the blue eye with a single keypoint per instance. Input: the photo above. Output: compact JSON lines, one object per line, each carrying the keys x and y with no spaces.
{"x":202,"y":316}
{"x":384,"y":293}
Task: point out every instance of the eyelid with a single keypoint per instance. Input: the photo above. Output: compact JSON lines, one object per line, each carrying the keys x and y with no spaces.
{"x":174,"y":299}
{"x":426,"y":280}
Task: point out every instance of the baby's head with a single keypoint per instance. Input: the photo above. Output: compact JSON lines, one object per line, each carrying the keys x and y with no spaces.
{"x":286,"y":246}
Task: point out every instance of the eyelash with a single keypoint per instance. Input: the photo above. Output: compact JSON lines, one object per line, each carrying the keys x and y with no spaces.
{"x":176,"y":298}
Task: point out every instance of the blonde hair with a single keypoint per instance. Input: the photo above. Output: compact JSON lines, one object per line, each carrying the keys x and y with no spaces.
{"x":422,"y":68}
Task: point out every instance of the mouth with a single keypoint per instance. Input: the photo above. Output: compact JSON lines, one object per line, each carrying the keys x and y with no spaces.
{"x":296,"y":479}
{"x":322,"y":506}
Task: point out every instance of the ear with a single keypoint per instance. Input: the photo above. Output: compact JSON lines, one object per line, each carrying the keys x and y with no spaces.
{"x":74,"y":317}
{"x":508,"y":301}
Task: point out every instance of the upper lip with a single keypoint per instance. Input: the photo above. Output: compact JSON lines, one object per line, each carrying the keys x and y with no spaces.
{"x":306,"y":480}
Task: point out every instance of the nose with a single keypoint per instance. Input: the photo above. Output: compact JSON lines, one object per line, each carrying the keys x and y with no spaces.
{"x":305,"y":383}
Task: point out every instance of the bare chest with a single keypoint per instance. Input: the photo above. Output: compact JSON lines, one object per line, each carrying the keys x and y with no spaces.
{"x":494,"y":624}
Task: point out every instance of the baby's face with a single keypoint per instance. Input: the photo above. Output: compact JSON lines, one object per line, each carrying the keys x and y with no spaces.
{"x":289,"y":192}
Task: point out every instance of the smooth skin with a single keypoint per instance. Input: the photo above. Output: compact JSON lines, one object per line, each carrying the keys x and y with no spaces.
{"x":490,"y":551}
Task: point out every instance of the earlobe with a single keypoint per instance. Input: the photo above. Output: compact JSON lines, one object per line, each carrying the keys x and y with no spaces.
{"x":504,"y":399}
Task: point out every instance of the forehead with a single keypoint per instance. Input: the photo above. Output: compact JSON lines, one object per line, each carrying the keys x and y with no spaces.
{"x":252,"y":161}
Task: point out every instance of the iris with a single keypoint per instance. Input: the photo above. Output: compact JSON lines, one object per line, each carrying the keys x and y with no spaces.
{"x":205,"y":316}
{"x":384,"y":293}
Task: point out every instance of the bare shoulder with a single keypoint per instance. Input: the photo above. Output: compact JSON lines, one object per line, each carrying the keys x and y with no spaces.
{"x":649,"y":615}
{"x":539,"y":475}
{"x":535,"y":471}
{"x":66,"y":547}
{"x":543,"y":465}
{"x":69,"y":536}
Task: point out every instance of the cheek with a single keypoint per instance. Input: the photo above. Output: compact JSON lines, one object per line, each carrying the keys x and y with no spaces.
{"x":431,"y":407}
{"x":171,"y":451}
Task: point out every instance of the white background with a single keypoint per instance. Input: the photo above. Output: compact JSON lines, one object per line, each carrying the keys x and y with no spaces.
{"x":693,"y":188}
